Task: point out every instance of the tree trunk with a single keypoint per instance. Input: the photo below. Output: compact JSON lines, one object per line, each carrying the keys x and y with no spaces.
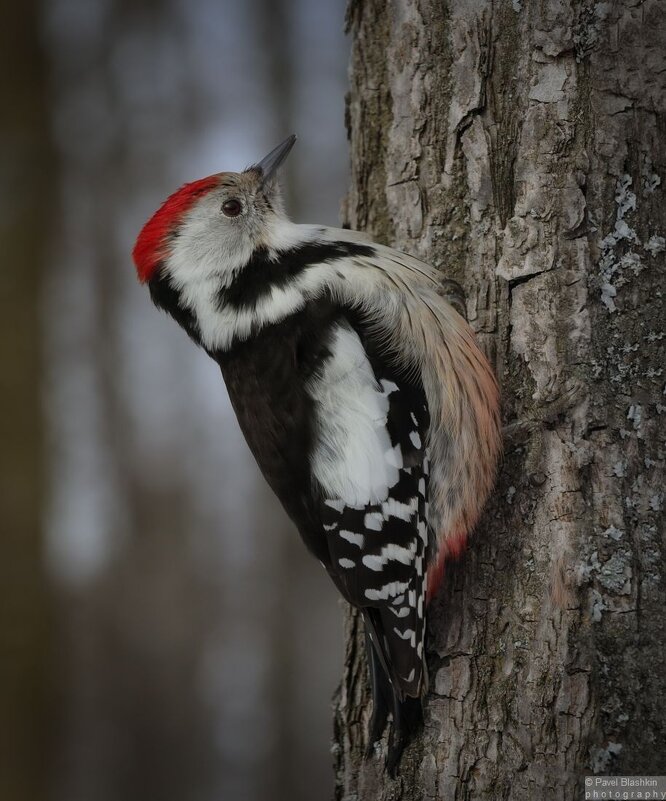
{"x":520,"y":146}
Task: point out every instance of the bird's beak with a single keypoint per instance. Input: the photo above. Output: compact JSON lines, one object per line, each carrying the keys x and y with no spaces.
{"x":270,"y":164}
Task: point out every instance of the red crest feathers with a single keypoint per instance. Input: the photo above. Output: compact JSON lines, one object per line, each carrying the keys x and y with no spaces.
{"x":149,"y":248}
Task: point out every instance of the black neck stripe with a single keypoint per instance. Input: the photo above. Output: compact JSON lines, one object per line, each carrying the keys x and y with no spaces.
{"x":257,"y":279}
{"x":165,"y":296}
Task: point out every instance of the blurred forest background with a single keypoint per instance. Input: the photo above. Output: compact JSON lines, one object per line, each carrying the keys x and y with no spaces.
{"x":163,"y":633}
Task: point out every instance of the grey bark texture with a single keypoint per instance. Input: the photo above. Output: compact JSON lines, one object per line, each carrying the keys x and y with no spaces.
{"x":520,"y":146}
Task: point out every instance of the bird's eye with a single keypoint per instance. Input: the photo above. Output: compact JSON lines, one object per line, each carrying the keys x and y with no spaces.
{"x":232,"y":207}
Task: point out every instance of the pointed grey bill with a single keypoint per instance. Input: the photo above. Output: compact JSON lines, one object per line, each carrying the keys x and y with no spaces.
{"x":269,"y":165}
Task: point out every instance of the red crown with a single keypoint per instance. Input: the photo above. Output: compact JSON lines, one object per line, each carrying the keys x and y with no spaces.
{"x":149,"y":250}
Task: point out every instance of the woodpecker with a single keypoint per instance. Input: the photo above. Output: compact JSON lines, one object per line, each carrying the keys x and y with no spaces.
{"x":362,"y":394}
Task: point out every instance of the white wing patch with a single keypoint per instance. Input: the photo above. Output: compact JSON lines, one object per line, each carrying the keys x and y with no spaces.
{"x":353,"y":537}
{"x":405,"y":511}
{"x":387,"y":591}
{"x":373,"y":521}
{"x":390,"y":552}
{"x":353,"y":458}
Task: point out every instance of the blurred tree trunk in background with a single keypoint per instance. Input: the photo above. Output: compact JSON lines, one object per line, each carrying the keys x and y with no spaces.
{"x":520,"y":146}
{"x":26,"y":185}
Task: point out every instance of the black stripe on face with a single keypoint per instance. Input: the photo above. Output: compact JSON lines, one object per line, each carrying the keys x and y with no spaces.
{"x":166,"y":297}
{"x":263,"y":273}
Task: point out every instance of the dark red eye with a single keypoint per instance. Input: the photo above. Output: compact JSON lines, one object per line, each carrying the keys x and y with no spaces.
{"x":232,"y":207}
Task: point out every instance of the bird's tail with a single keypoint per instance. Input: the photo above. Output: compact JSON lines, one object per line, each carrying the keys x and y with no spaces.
{"x":391,"y":693}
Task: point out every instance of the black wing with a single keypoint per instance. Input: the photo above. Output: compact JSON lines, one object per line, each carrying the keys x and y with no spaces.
{"x":378,"y":550}
{"x":375,"y":552}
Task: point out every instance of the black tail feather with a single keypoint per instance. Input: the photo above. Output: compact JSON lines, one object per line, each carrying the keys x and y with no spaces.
{"x":387,"y":698}
{"x":382,"y":697}
{"x":407,"y":720}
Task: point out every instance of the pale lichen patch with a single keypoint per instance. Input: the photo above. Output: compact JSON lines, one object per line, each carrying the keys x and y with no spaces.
{"x":602,"y":758}
{"x":655,"y":244}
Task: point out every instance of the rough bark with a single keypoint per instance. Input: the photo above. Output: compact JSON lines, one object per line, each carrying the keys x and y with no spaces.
{"x":520,"y":146}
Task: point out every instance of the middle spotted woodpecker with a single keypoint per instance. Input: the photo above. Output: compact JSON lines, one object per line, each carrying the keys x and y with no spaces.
{"x":361,"y":392}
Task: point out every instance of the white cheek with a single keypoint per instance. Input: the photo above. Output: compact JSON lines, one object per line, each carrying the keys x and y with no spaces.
{"x":208,"y":247}
{"x":282,"y":234}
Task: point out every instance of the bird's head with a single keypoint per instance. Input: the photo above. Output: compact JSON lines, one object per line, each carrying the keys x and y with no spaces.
{"x":214,"y":224}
